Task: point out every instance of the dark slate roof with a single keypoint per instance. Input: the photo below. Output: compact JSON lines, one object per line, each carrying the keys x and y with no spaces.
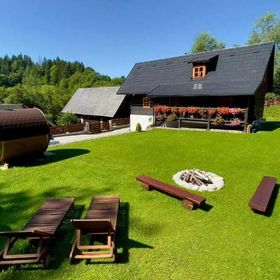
{"x":239,"y":71}
{"x":100,"y":101}
{"x":202,"y":58}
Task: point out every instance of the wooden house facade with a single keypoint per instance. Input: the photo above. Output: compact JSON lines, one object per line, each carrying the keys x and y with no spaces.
{"x":236,"y":78}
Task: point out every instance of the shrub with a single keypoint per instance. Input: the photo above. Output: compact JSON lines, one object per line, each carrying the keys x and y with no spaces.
{"x":68,"y":118}
{"x":138,"y":127}
{"x":271,"y":96}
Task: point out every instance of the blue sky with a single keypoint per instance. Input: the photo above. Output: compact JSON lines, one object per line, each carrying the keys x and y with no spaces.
{"x":111,"y":36}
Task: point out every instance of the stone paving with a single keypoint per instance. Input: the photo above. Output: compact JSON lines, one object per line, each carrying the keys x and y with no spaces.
{"x":67,"y":139}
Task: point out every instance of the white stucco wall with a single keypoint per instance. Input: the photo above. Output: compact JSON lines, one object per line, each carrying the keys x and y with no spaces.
{"x":144,"y":120}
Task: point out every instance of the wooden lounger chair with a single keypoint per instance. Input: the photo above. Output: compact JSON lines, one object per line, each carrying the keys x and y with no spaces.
{"x":40,"y":230}
{"x":100,"y":222}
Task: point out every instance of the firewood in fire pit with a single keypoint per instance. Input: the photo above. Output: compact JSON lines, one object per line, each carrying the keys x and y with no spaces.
{"x":196,"y":177}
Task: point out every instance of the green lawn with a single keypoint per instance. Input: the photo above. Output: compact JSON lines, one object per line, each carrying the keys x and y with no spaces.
{"x":159,"y":239}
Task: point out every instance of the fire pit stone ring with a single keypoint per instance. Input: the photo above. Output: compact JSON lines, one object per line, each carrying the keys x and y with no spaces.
{"x":198,"y":180}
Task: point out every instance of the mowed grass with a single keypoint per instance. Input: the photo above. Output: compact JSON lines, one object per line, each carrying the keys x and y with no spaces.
{"x":158,"y":238}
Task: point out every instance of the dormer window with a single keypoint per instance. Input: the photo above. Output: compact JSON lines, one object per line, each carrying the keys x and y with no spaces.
{"x":146,"y":102}
{"x":199,"y":72}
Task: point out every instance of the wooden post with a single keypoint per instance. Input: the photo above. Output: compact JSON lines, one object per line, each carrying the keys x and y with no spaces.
{"x":245,"y":120}
{"x":187,"y":204}
{"x":154,"y":115}
{"x":208,"y":122}
{"x":179,"y":122}
{"x":146,"y":186}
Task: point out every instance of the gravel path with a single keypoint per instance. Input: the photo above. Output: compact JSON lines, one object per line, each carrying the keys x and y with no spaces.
{"x":62,"y":140}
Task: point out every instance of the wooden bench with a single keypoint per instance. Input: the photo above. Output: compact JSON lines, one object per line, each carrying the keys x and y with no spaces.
{"x":190,"y":200}
{"x":262,"y":196}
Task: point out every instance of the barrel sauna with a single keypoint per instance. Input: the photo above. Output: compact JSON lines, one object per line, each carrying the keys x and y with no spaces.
{"x":23,"y":132}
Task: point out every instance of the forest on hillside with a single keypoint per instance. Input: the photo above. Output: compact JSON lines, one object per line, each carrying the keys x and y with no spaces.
{"x":47,"y":84}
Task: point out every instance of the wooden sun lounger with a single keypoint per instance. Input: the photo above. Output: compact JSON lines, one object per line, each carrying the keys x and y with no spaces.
{"x":40,"y":230}
{"x":190,"y":200}
{"x":100,"y":222}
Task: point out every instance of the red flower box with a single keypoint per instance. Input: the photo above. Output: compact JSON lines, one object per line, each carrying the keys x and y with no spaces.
{"x":182,"y":110}
{"x":192,"y":110}
{"x":224,"y":111}
{"x":165,"y":109}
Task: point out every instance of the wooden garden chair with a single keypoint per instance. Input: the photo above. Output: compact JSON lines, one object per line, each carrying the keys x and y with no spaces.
{"x":100,"y":224}
{"x":40,"y":231}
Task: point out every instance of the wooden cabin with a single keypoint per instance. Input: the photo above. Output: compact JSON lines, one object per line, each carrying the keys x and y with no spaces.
{"x":99,"y":104}
{"x":232,"y":78}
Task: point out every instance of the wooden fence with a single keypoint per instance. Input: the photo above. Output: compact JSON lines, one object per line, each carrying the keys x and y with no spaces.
{"x":61,"y":129}
{"x":120,"y":122}
{"x":93,"y":126}
{"x":104,"y":125}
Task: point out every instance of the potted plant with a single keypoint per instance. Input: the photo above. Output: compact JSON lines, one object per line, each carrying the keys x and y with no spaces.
{"x":175,"y":110}
{"x":234,"y":111}
{"x":203,"y":113}
{"x":211,"y":112}
{"x":182,"y":111}
{"x":235,"y":122}
{"x":219,"y":121}
{"x":192,"y":111}
{"x":165,"y":110}
{"x":172,"y":120}
{"x":223,"y":111}
{"x":157,"y":110}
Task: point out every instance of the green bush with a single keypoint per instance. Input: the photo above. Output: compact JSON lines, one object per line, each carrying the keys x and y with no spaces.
{"x":68,"y":118}
{"x":271,"y":96}
{"x":138,"y":127}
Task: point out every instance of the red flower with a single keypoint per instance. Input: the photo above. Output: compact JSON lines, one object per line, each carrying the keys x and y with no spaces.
{"x":235,"y":122}
{"x":202,"y":112}
{"x":211,"y":112}
{"x":182,"y":110}
{"x":165,"y":109}
{"x":174,"y":110}
{"x":157,"y":109}
{"x":191,"y":110}
{"x":223,"y":111}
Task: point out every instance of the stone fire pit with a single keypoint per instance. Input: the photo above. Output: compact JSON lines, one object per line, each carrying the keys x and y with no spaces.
{"x":198,"y":180}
